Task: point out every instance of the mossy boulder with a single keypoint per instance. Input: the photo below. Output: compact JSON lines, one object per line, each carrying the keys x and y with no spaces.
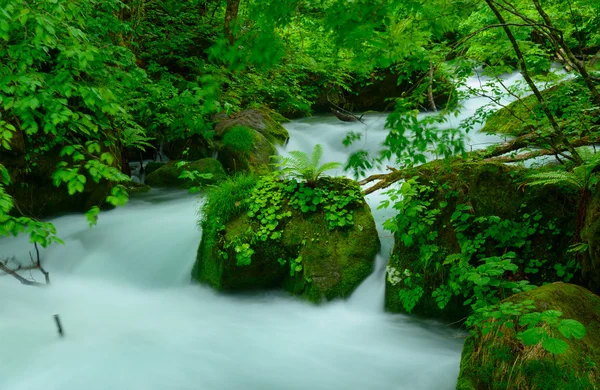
{"x":152,"y":166}
{"x":523,"y":116}
{"x":307,"y":258}
{"x":486,"y":189}
{"x":168,"y":174}
{"x":499,"y":361}
{"x":259,"y":120}
{"x":255,"y":159}
{"x":246,"y":140}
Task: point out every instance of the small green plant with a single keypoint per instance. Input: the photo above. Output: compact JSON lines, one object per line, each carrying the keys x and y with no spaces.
{"x":543,"y":327}
{"x":194,"y":177}
{"x":239,"y":139}
{"x":300,"y":165}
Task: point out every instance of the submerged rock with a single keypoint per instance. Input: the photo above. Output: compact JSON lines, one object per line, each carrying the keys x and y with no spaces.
{"x":499,"y":361}
{"x":168,"y":174}
{"x":303,"y":255}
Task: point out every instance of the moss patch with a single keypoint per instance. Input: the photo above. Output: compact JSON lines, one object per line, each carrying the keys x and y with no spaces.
{"x":500,"y":362}
{"x":168,"y":174}
{"x":257,"y":160}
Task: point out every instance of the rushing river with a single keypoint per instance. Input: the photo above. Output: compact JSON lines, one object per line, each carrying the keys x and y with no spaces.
{"x":132,"y":320}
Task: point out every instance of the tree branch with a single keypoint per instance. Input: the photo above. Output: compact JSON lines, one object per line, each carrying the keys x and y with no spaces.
{"x":21,"y":279}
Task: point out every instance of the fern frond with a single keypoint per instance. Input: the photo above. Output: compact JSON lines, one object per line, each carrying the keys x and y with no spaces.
{"x":556,"y":178}
{"x":328,"y":167}
{"x":299,"y":160}
{"x":317,"y":153}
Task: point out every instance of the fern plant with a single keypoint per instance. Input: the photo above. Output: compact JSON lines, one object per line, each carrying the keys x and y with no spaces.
{"x":582,"y":178}
{"x":304,"y":167}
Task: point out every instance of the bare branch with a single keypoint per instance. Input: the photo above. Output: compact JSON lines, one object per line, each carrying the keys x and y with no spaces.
{"x":21,"y":279}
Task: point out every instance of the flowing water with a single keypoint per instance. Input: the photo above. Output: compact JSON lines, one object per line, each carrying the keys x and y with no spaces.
{"x":132,"y":319}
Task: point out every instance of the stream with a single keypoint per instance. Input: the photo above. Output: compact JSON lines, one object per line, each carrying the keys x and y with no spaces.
{"x":133,"y":320}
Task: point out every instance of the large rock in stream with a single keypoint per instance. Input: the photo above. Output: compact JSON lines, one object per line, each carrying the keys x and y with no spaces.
{"x":307,"y":257}
{"x":246,"y":140}
{"x":498,"y":360}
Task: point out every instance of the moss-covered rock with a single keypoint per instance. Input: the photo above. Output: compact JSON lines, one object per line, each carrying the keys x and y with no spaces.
{"x":246,"y":140}
{"x":152,"y":166}
{"x":307,"y":257}
{"x":258,"y":120}
{"x":255,"y":160}
{"x":168,"y":174}
{"x":487,"y":189}
{"x":522,"y":116}
{"x":499,"y":361}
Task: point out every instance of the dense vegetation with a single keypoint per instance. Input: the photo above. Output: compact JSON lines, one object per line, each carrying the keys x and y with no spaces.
{"x":87,"y":85}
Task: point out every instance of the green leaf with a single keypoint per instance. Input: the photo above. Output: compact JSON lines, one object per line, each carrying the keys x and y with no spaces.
{"x":555,"y":346}
{"x":571,"y":329}
{"x":533,"y":336}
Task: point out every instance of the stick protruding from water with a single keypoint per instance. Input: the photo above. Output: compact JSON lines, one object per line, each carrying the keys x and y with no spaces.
{"x":59,"y":325}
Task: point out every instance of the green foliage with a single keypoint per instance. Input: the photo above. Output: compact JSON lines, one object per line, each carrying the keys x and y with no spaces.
{"x":269,"y":203}
{"x":301,"y":165}
{"x":582,"y":178}
{"x":495,"y":259}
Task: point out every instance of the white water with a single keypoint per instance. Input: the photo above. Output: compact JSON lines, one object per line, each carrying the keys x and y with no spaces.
{"x":133,"y":321}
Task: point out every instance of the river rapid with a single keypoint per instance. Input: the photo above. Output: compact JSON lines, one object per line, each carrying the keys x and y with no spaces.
{"x":133,"y":320}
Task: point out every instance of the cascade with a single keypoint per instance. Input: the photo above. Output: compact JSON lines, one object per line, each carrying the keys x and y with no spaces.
{"x":132,"y":320}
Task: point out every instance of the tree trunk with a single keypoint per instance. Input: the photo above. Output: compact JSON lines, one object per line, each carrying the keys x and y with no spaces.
{"x":430,"y":90}
{"x":561,"y":138}
{"x":231,"y":15}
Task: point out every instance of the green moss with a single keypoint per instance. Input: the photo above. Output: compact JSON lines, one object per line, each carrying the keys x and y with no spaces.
{"x":499,"y":361}
{"x":257,"y":160}
{"x":258,"y":120}
{"x":168,"y":174}
{"x":238,"y":139}
{"x":223,"y":203}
